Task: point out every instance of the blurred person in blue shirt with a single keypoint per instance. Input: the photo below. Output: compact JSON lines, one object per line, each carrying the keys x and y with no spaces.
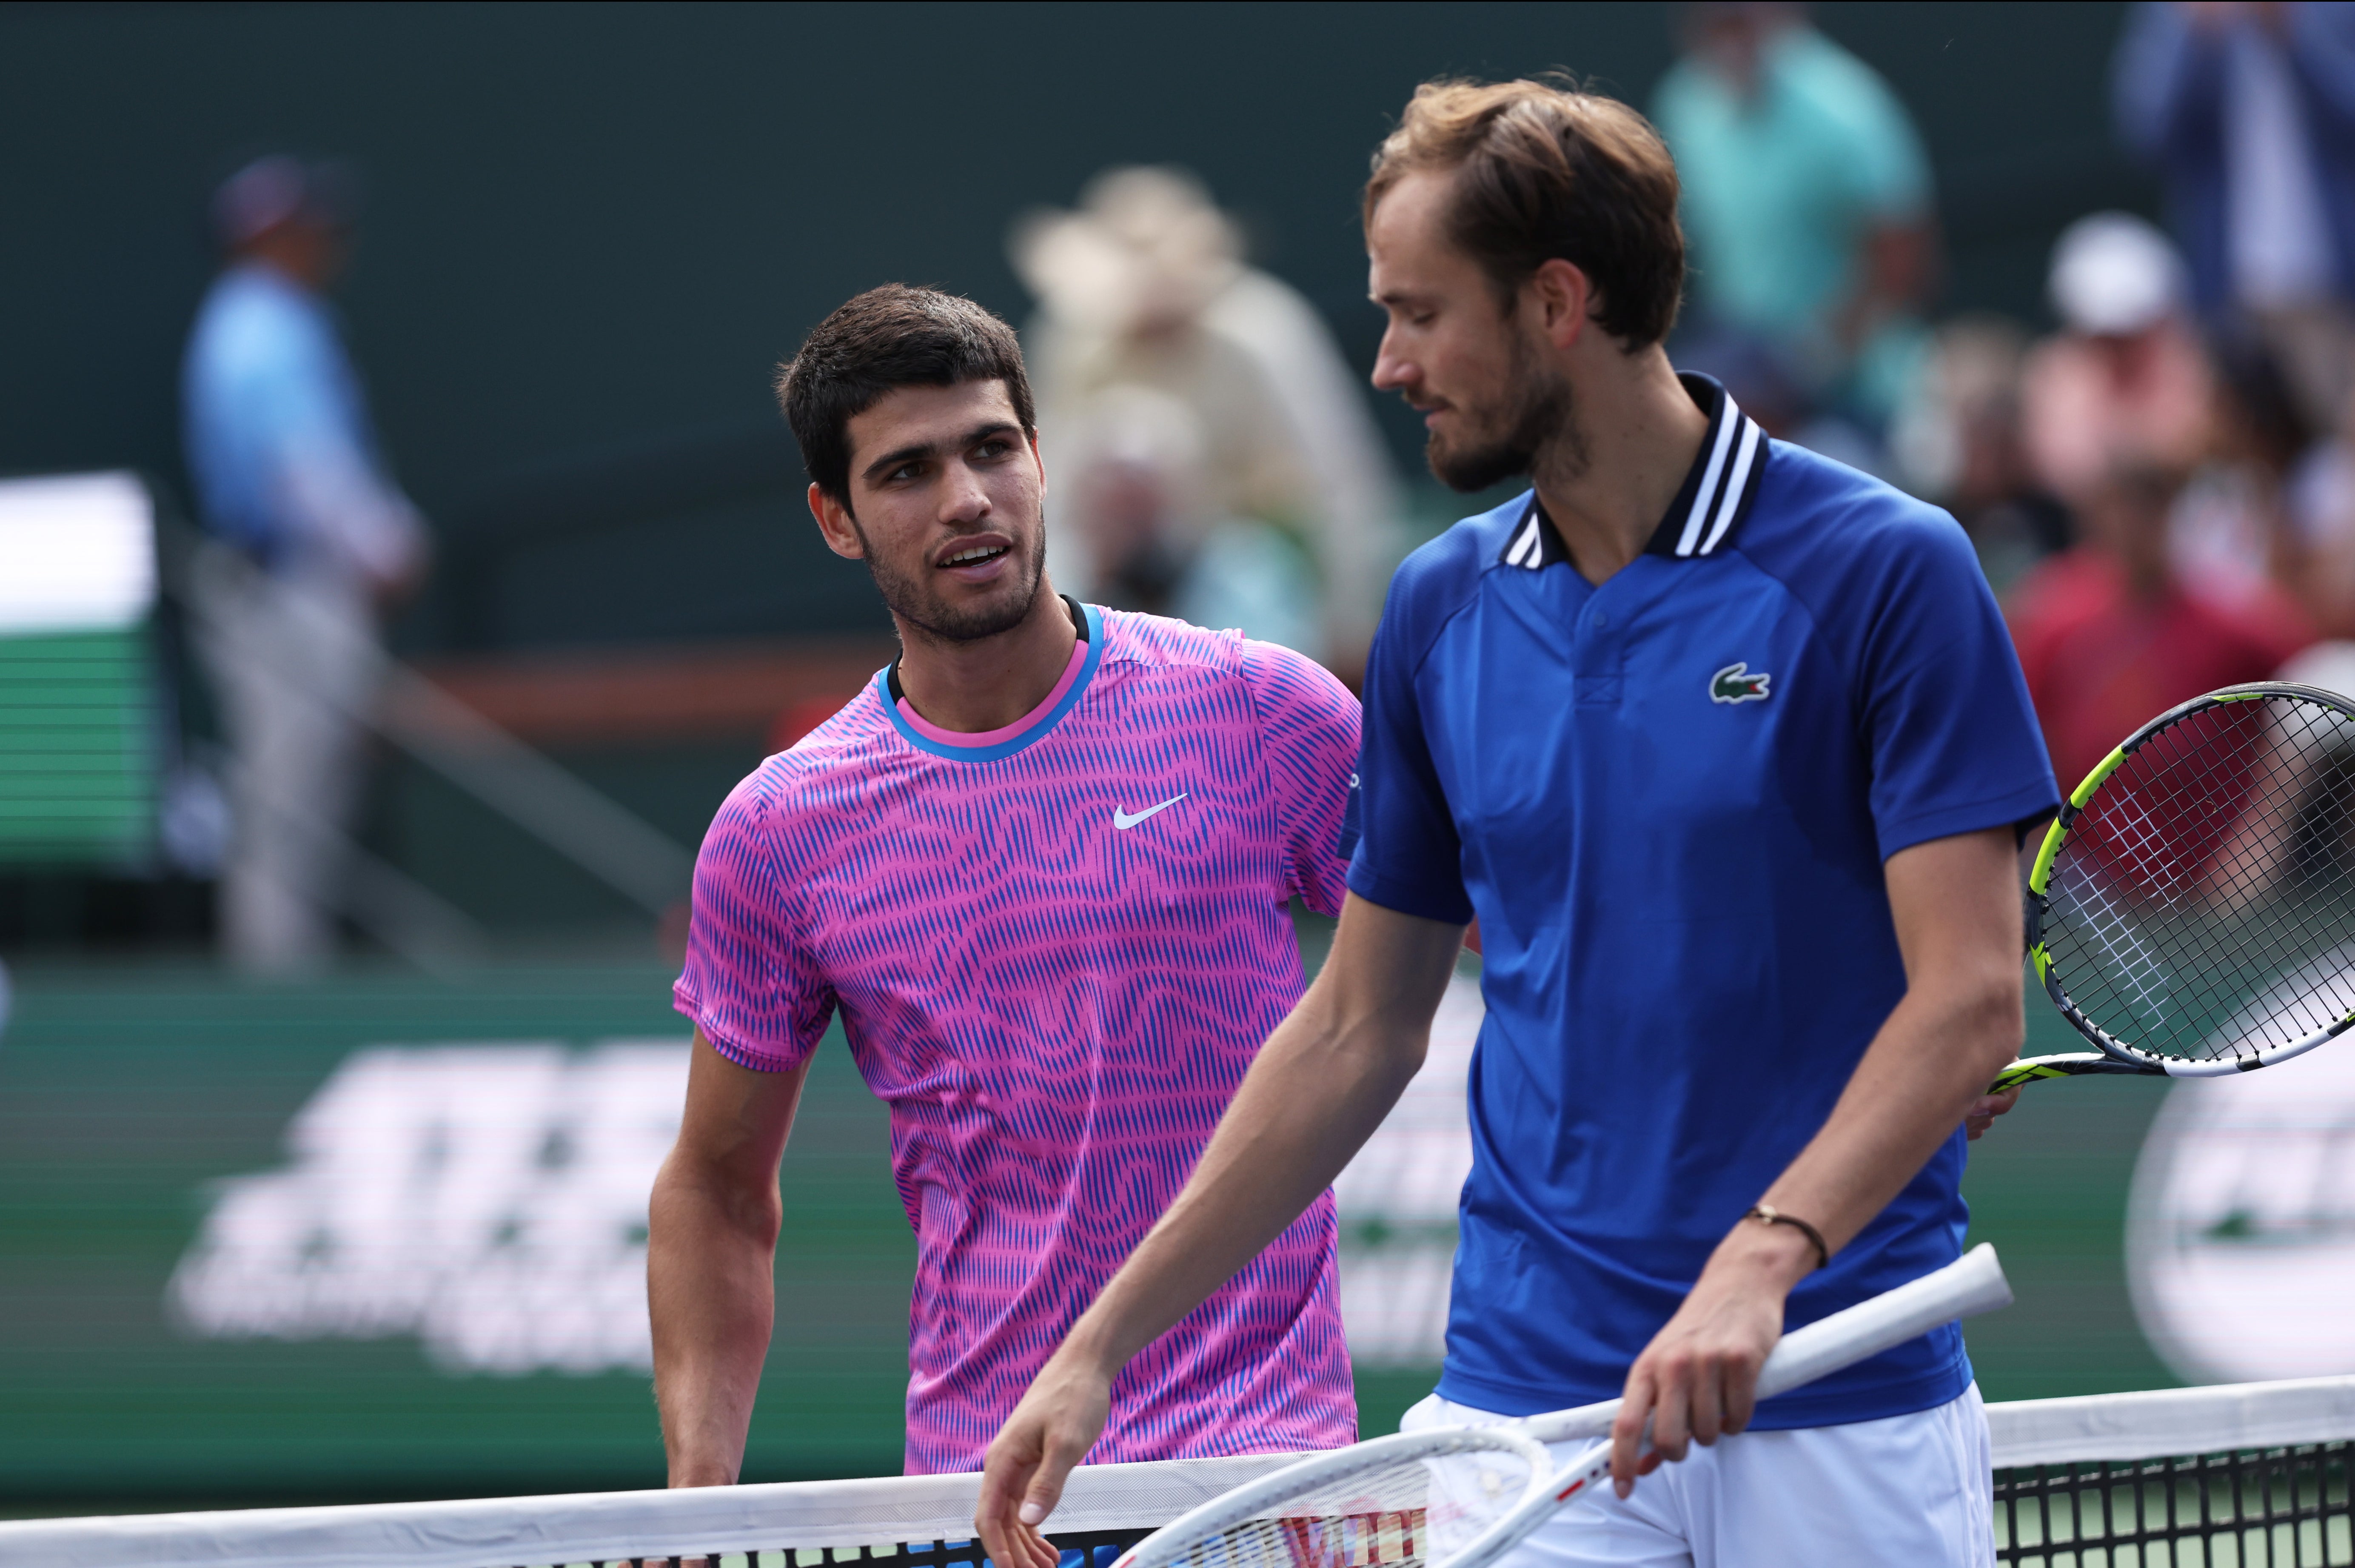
{"x":2248,"y":112}
{"x":1806,"y":201}
{"x":314,"y":540}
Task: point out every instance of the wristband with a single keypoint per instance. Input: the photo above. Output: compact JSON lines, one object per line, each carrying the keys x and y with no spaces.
{"x":1767,"y":1214}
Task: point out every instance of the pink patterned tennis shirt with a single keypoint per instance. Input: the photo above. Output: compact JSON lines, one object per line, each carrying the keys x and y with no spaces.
{"x":1056,"y":948}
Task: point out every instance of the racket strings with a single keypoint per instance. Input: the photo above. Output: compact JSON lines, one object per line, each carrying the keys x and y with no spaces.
{"x":2211,"y":866}
{"x":1401,"y":1514}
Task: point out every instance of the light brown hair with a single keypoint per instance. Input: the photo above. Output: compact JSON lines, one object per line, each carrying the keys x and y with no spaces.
{"x":1545,"y":171}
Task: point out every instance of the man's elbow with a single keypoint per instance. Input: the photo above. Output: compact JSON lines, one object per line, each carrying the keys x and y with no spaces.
{"x":692,"y":1191}
{"x":1986,"y":1017}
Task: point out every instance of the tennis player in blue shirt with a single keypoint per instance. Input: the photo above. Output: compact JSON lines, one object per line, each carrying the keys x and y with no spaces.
{"x":1725,"y":747}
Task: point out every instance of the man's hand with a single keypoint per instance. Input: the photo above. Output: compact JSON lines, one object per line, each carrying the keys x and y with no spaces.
{"x":1698,"y":1377}
{"x":1022,"y":1477}
{"x":1957,"y":905}
{"x":1319,"y":1089}
{"x":1989,"y":1107}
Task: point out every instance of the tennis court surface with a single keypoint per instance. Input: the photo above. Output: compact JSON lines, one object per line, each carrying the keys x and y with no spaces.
{"x":2240,"y":1476}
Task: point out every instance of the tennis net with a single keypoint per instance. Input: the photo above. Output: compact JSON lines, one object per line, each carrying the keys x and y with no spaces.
{"x":2240,"y":1475}
{"x":2245,"y":1476}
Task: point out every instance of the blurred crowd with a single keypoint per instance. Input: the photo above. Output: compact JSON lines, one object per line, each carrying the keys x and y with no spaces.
{"x":2161,"y":486}
{"x":1215,"y":457}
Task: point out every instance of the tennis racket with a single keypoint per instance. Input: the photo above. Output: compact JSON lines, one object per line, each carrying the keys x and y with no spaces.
{"x":1461,"y":1497}
{"x":2192,"y":911}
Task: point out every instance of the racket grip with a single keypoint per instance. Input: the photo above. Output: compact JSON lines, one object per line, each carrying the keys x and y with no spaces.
{"x":1969,"y":1285}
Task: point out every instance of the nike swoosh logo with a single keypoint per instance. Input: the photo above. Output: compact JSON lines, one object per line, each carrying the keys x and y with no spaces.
{"x":1122,"y":819}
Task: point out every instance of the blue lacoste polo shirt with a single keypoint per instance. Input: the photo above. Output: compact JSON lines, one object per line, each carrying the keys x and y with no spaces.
{"x":1668,"y":799}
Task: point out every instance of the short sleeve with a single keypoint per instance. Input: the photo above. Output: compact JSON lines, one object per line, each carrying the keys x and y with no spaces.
{"x":1308,"y":741}
{"x":1408,"y":858}
{"x":749,"y":981}
{"x":1945,"y":714}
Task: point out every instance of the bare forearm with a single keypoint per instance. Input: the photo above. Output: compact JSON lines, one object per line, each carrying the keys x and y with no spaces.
{"x":1320,"y":1086}
{"x":1958,"y":915}
{"x":1922,"y":1076}
{"x":1315,"y":1094}
{"x":711,"y":1291}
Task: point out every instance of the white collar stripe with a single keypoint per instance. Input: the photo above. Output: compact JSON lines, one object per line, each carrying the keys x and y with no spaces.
{"x":1737,"y":480}
{"x":1728,"y":416}
{"x":1527,"y":549}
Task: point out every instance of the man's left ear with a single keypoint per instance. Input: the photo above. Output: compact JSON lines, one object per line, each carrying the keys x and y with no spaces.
{"x":1565,"y":299}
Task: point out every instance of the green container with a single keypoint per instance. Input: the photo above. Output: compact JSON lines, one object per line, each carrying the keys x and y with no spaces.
{"x":77,"y":744}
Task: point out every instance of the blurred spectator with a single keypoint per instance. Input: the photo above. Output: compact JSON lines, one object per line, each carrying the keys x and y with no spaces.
{"x":2248,"y":110}
{"x":1807,"y":199}
{"x":1143,"y":286}
{"x":1957,"y":441}
{"x":2107,"y":636}
{"x":2318,"y":544}
{"x":315,"y":539}
{"x":1142,"y":505}
{"x":2125,"y":381}
{"x":2229,"y":536}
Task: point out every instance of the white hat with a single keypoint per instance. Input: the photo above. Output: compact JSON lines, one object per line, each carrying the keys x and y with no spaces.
{"x":2113,"y":274}
{"x":1148,"y":247}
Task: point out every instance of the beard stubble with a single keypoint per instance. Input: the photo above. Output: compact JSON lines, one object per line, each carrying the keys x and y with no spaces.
{"x":910,"y":596}
{"x":1543,"y":417}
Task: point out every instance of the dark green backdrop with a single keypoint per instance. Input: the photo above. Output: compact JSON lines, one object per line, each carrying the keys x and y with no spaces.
{"x":591,"y":228}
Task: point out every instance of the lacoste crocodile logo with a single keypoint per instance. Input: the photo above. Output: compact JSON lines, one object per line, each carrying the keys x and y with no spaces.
{"x":1735,"y":682}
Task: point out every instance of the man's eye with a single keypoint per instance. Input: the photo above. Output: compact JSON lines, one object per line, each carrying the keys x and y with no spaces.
{"x":905,"y":471}
{"x":993,"y":449}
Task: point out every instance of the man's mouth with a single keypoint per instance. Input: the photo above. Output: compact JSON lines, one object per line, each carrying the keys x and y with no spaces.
{"x":975,"y":557}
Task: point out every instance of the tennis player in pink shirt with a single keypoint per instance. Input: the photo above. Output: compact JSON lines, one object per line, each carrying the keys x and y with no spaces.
{"x":1041,"y":868}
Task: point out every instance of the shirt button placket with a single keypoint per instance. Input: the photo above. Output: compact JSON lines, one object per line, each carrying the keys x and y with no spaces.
{"x":1596,"y":655}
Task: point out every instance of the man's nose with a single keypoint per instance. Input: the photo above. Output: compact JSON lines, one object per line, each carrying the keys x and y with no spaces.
{"x":1392,"y":372}
{"x":964,"y":499}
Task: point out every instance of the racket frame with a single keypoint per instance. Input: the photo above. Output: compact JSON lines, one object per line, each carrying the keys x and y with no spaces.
{"x":1971,"y":1285}
{"x":2115,"y":1055}
{"x":1187,"y":1531}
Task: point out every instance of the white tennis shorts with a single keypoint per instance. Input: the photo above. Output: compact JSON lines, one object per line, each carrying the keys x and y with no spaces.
{"x":1914,"y":1489}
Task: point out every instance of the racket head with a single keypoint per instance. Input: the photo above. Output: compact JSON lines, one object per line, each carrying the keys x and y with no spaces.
{"x":2191,"y":910}
{"x":1402,"y":1501}
{"x":1585,"y":1476}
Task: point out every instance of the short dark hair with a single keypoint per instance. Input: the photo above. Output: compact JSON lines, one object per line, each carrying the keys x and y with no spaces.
{"x":887,"y":337}
{"x":1543,"y":171}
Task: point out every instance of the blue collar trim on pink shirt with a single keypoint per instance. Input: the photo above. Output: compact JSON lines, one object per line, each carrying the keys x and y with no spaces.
{"x":1045,"y":722}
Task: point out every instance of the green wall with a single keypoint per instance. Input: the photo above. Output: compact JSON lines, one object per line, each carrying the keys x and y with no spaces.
{"x":592,"y":226}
